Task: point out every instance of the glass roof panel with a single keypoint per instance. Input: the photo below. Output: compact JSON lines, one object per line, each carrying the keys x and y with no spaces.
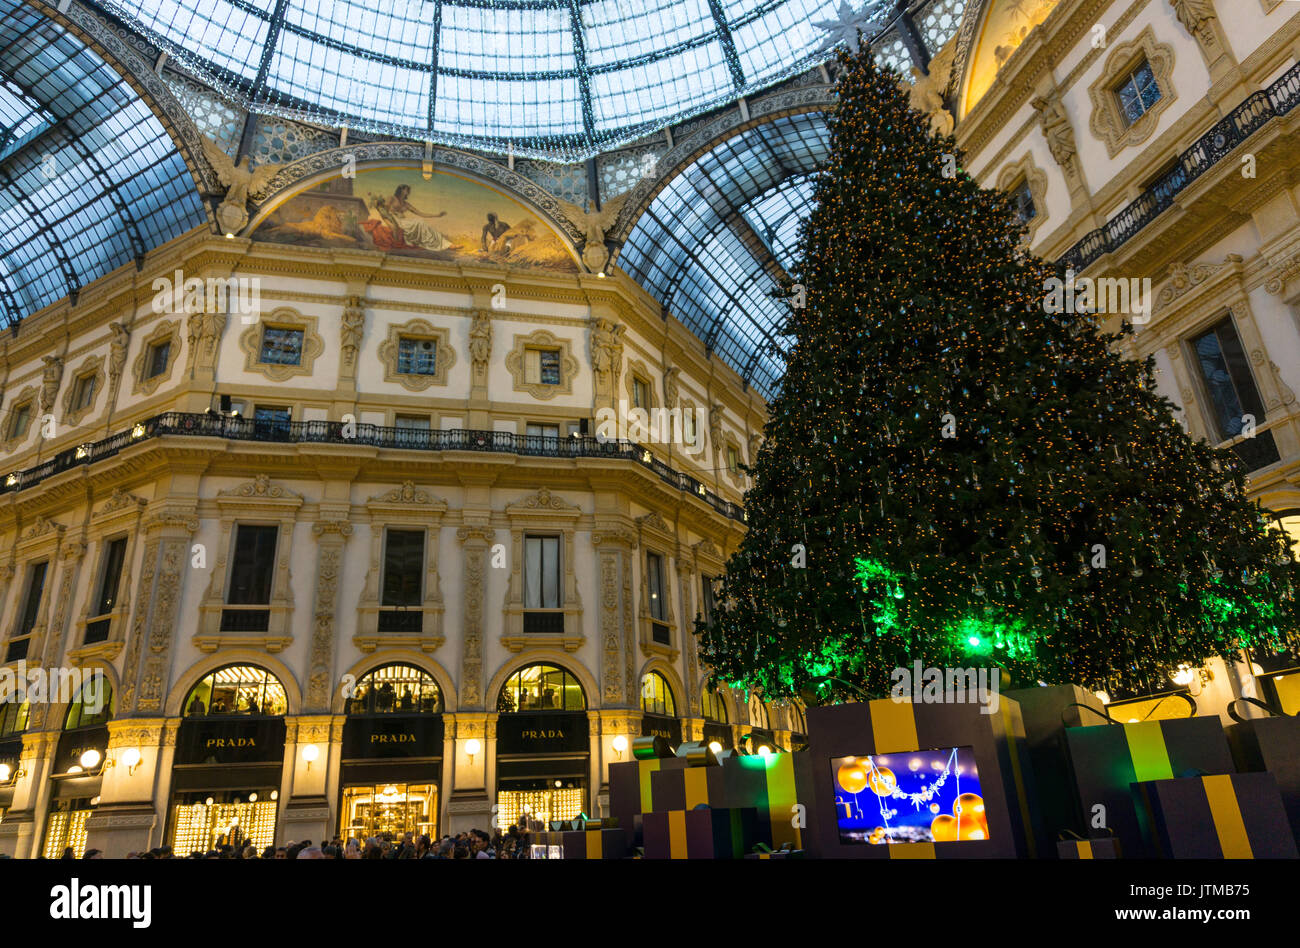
{"x":90,"y":182}
{"x":607,"y":71}
{"x":713,"y":242}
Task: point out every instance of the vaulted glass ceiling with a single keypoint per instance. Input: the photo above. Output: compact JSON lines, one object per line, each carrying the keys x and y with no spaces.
{"x":713,"y":244}
{"x":563,"y":79}
{"x":89,"y":179}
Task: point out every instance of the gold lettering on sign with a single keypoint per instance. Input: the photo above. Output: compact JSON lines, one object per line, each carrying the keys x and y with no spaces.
{"x":392,"y":738}
{"x":232,"y":742}
{"x":543,"y":734}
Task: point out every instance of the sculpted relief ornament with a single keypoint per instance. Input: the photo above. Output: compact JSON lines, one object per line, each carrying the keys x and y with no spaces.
{"x":1196,"y":16}
{"x":595,"y":224}
{"x":117,"y":352}
{"x":350,"y":332}
{"x":51,"y":376}
{"x":928,"y":89}
{"x":240,"y":181}
{"x":480,"y":342}
{"x":606,"y":354}
{"x":1056,"y":128}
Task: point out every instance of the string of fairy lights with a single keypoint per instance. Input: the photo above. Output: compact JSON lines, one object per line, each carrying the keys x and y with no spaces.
{"x":967,"y":477}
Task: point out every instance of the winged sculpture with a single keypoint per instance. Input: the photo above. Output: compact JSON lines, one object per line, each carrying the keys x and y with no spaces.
{"x":928,"y":88}
{"x":240,"y":182}
{"x":594,"y":225}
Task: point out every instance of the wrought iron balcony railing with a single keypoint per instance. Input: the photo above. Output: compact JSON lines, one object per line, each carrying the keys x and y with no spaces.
{"x":1212,"y":147}
{"x":336,"y":432}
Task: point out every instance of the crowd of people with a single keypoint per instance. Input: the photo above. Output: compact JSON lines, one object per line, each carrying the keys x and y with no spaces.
{"x":475,"y":844}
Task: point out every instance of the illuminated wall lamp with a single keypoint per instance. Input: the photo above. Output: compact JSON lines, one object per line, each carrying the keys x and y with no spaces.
{"x":130,"y":758}
{"x":620,"y":745}
{"x":472,"y":747}
{"x":310,"y":753}
{"x":83,"y":450}
{"x":137,"y":431}
{"x":11,"y":480}
{"x":7,"y":773}
{"x":90,"y":759}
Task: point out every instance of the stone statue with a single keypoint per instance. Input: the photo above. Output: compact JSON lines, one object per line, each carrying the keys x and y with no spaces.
{"x":671,"y":389}
{"x":240,"y":182}
{"x":117,"y":351}
{"x":354,"y":320}
{"x":1056,"y":128}
{"x":715,"y":426}
{"x":595,"y":224}
{"x":480,"y":340}
{"x":928,"y":88}
{"x":51,"y":376}
{"x":1193,"y":15}
{"x":606,"y":353}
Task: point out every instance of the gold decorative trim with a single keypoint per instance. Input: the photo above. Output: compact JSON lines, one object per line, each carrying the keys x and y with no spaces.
{"x":444,"y":354}
{"x":541,"y":339}
{"x":1107,"y":121}
{"x":283,"y":318}
{"x":1036,"y":178}
{"x":168,"y":332}
{"x":92,"y":367}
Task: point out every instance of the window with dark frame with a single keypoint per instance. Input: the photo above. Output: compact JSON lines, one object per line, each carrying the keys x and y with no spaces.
{"x":403,"y":568}
{"x":20,"y":420}
{"x":253,"y":565}
{"x":654,"y":564}
{"x":657,"y":696}
{"x":1138,"y":92}
{"x":542,"y":572}
{"x":33,"y":590}
{"x":281,"y":346}
{"x":640,"y":393}
{"x":706,"y":597}
{"x":1022,"y":199}
{"x":271,"y":420}
{"x":114,"y":557}
{"x":1229,"y":384}
{"x":542,"y":366}
{"x":417,"y":356}
{"x":83,"y":392}
{"x":159,"y":354}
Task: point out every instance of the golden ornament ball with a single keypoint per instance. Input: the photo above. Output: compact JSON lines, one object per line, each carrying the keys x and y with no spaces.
{"x":883,"y":781}
{"x":852,"y":777}
{"x":944,"y":828}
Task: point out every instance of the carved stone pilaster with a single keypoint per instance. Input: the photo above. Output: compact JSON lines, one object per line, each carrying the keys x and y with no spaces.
{"x":476,"y":538}
{"x":331,"y":540}
{"x":157,"y":599}
{"x":614,"y":544}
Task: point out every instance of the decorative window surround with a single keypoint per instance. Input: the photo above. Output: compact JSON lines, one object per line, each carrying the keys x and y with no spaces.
{"x":410,"y":508}
{"x":444,"y":358}
{"x":168,"y":332}
{"x":91,"y":368}
{"x":656,"y":536}
{"x":541,"y":339}
{"x":26,"y":397}
{"x":121,"y":514}
{"x":542,"y":513}
{"x":282,"y":318}
{"x":736,"y":477}
{"x":1107,"y":121}
{"x":634,"y":371}
{"x":256,"y":502}
{"x":1036,"y":179}
{"x":42,"y":540}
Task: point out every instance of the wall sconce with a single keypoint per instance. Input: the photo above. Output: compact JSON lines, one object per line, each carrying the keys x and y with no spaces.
{"x":7,"y":773}
{"x":472,"y":747}
{"x":90,"y":759}
{"x":715,"y":746}
{"x":620,"y":745}
{"x":132,"y":760}
{"x":310,"y":753}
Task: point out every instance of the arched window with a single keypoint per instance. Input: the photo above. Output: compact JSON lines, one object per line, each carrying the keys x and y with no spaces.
{"x":93,"y":705}
{"x":656,"y":696}
{"x":237,"y":689}
{"x":758,"y":713}
{"x":13,"y":718}
{"x":541,"y":688}
{"x":396,"y":689}
{"x":715,"y":706}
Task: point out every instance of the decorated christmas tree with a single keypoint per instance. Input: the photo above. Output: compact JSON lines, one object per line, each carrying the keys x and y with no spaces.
{"x":957,"y":471}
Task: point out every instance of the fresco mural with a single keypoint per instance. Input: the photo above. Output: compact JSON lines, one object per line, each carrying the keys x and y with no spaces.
{"x":1005,"y":26}
{"x":397,"y":211}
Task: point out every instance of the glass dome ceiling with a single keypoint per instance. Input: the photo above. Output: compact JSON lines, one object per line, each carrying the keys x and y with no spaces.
{"x":559,"y":79}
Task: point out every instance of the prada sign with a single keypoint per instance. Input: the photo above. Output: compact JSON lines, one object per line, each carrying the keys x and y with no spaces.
{"x":73,"y":744}
{"x":366,"y":737}
{"x":550,"y":732}
{"x":670,"y":729}
{"x":230,"y":740}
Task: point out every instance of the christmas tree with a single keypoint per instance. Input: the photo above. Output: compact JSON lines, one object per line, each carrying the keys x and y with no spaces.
{"x":958,"y":472}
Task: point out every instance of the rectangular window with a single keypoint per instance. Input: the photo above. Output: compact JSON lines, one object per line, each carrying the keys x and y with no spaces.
{"x":417,"y":356}
{"x":1138,"y":92}
{"x":542,"y":572}
{"x":411,"y":422}
{"x":253,"y":565}
{"x":688,"y":425}
{"x":114,"y":557}
{"x":542,"y":431}
{"x":158,"y":356}
{"x":1225,"y":372}
{"x":733,"y":460}
{"x":281,"y":346}
{"x":22,"y":417}
{"x":1023,"y":200}
{"x":27,"y":616}
{"x":706,"y":597}
{"x":403,"y":567}
{"x":640,"y":393}
{"x":542,"y":366}
{"x":271,"y":421}
{"x":83,"y":392}
{"x":654,"y":565}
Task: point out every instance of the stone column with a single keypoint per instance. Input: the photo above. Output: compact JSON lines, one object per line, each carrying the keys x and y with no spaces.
{"x":126,"y":820}
{"x":476,"y":538}
{"x":306,"y":812}
{"x":331,"y":540}
{"x":469,"y":805}
{"x":617,"y":627}
{"x":686,"y":571}
{"x":24,"y":822}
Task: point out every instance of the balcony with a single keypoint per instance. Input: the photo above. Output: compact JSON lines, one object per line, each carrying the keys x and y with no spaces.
{"x":336,"y":432}
{"x":1212,"y":147}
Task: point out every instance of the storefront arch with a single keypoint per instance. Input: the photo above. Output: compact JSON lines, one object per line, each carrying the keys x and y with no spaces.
{"x":560,"y":660}
{"x":400,"y":657}
{"x":175,"y":704}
